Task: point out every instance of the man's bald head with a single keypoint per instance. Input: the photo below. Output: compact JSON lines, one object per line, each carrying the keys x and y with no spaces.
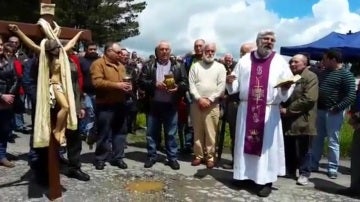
{"x":298,"y":63}
{"x":247,"y":48}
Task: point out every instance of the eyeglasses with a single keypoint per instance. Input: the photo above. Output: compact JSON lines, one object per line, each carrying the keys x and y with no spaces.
{"x":268,"y":39}
{"x":117,"y":52}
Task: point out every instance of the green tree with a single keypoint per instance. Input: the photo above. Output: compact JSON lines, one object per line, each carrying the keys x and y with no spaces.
{"x":19,"y":10}
{"x":107,"y":19}
{"x":113,"y":20}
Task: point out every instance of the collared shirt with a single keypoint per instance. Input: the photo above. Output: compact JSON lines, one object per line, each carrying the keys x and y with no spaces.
{"x":105,"y":76}
{"x":161,"y":71}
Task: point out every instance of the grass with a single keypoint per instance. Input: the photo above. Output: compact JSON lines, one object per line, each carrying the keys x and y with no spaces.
{"x":346,"y":133}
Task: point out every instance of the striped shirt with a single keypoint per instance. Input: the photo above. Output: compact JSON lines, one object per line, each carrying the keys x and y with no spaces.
{"x":336,"y":89}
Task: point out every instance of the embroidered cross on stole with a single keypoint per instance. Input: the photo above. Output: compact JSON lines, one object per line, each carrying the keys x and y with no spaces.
{"x":255,"y":117}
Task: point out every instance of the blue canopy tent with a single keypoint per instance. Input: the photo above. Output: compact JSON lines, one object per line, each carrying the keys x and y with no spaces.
{"x":348,"y":44}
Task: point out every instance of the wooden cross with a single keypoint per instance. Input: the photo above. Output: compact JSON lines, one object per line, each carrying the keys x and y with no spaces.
{"x":34,"y":31}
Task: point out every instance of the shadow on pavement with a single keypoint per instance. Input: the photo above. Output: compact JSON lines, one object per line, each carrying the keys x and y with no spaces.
{"x":326,"y":185}
{"x":34,"y":189}
{"x":185,"y":157}
{"x":141,"y":157}
{"x":341,"y":169}
{"x":226,"y":178}
{"x":138,"y":156}
{"x":87,"y":157}
{"x":137,"y":144}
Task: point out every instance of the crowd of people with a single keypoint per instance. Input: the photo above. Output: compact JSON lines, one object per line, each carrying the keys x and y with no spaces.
{"x":276,"y":127}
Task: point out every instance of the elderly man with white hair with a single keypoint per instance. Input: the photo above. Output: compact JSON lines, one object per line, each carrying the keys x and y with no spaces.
{"x":207,"y":85}
{"x":259,"y":146}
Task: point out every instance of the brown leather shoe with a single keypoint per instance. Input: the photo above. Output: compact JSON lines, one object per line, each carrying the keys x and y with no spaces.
{"x":210,"y":164}
{"x":7,"y":163}
{"x":196,"y":162}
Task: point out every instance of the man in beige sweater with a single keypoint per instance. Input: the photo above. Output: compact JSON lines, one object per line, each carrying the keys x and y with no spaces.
{"x":207,"y":84}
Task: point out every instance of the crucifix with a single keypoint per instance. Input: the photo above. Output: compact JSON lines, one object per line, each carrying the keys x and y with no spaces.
{"x":33,"y":31}
{"x":53,"y":32}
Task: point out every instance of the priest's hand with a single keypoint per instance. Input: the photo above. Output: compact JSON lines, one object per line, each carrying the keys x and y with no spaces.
{"x":286,"y":86}
{"x":282,"y":111}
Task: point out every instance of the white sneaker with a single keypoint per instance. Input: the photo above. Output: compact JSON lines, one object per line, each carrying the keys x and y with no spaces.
{"x":302,"y":180}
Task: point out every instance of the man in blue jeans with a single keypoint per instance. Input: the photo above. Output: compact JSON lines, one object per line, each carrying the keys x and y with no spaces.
{"x":108,"y":74}
{"x":336,"y":94}
{"x":163,"y":103}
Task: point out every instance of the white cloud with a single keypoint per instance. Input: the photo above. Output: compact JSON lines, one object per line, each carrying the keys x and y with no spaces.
{"x":230,"y":23}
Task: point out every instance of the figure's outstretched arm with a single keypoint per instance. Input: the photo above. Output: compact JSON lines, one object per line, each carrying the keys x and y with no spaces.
{"x":72,"y":42}
{"x":26,"y":40}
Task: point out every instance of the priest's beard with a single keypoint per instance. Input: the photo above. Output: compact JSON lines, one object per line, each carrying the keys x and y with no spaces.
{"x":208,"y":59}
{"x":264,"y":51}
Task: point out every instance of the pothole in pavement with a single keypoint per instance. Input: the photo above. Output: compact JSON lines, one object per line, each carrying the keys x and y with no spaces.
{"x":145,"y":186}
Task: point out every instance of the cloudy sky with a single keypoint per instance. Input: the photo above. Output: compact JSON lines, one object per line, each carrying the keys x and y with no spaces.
{"x":229,"y":23}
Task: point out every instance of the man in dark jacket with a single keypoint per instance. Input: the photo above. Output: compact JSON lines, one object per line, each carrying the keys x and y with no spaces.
{"x":85,"y":62}
{"x":87,"y":126}
{"x":186,"y":131}
{"x":163,"y":103}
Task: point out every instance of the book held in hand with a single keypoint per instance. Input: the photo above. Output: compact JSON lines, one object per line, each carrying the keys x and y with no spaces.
{"x":292,"y":80}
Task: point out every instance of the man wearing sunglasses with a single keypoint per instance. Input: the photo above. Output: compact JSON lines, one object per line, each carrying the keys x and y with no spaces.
{"x":107,"y":75}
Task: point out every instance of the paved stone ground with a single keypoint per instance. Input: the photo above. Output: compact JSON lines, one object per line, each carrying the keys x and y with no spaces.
{"x":187,"y":184}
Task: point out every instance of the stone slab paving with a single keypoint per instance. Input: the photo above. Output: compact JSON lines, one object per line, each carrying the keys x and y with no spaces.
{"x":188,"y":184}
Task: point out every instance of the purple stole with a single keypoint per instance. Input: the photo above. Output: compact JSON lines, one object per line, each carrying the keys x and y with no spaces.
{"x":255,"y":116}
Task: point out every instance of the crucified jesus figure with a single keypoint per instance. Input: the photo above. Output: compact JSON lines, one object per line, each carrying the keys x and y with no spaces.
{"x":57,"y":90}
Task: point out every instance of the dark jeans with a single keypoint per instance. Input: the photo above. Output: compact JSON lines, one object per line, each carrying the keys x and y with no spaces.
{"x":32,"y":155}
{"x":162,"y":114}
{"x":6,"y":117}
{"x":186,"y":136}
{"x":112,"y":127}
{"x":297,"y":155}
{"x":87,"y":125}
{"x":231,"y":113}
{"x":19,"y":122}
{"x":73,"y":147}
{"x":132,"y":113}
{"x":186,"y":132}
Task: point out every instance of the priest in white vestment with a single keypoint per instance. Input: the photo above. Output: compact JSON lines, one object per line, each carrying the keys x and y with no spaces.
{"x":259,"y":146}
